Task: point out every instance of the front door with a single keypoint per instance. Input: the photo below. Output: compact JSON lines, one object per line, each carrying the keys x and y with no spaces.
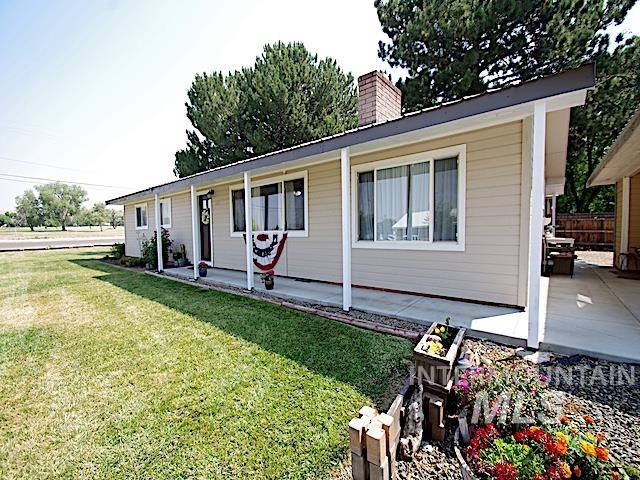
{"x":205,"y":227}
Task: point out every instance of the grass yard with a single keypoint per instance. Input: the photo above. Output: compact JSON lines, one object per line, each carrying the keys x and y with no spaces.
{"x":40,"y":233}
{"x":108,"y":373}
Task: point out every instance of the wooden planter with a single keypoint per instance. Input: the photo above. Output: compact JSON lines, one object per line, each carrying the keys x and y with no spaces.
{"x":465,"y":470}
{"x":433,"y":370}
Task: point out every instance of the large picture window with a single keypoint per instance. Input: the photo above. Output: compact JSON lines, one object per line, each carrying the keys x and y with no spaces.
{"x":275,"y":206}
{"x":414,"y":202}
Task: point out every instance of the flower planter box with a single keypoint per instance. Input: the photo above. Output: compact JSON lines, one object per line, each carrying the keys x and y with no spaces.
{"x":435,"y":371}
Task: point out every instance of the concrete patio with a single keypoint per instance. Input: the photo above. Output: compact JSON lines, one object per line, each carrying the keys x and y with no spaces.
{"x":596,"y":312}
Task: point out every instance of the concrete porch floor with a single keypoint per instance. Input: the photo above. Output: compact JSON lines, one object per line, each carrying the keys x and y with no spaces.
{"x":595,"y":313}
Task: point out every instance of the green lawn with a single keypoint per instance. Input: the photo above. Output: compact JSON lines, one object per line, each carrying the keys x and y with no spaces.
{"x":110,"y":373}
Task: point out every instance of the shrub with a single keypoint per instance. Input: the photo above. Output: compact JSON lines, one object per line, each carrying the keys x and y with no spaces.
{"x":131,"y":261}
{"x":117,"y":250}
{"x":150,"y":249}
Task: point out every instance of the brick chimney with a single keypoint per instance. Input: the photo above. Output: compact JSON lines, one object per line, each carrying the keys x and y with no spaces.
{"x":378,"y":99}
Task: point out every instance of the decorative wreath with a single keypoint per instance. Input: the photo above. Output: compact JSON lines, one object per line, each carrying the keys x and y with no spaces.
{"x":205,"y":216}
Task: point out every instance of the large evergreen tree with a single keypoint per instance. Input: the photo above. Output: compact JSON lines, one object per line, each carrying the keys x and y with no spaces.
{"x":287,"y":97}
{"x":464,"y":47}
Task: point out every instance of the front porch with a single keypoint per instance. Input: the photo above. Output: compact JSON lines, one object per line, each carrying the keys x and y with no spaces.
{"x":596,"y":312}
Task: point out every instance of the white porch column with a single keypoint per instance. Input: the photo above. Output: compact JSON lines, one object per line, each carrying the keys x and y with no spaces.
{"x":536,"y":324}
{"x":553,"y":212}
{"x":345,"y":169}
{"x":159,"y":233}
{"x":247,"y":229}
{"x":195,"y":231}
{"x":624,"y":227}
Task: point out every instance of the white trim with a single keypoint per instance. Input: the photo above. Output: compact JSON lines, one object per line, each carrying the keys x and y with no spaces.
{"x":146,"y":214}
{"x":345,"y":161}
{"x":195,"y":231}
{"x":158,"y":233}
{"x":459,"y":246}
{"x":199,"y":193}
{"x":624,"y":228}
{"x":268,"y":181}
{"x":536,"y":322}
{"x":167,"y":204}
{"x":247,"y":222}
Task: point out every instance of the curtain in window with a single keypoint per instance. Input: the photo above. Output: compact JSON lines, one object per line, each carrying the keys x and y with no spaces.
{"x":418,"y":214}
{"x":294,"y":204}
{"x":446,"y":200}
{"x":392,"y":189}
{"x":237,"y":197}
{"x":265,"y":207}
{"x":365,"y":206}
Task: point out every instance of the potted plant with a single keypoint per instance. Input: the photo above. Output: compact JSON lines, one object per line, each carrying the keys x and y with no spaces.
{"x":178,"y":259}
{"x":267,"y":279}
{"x":202,"y":269}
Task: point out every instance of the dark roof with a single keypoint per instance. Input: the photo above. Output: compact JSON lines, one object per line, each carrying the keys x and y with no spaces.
{"x":565,"y":82}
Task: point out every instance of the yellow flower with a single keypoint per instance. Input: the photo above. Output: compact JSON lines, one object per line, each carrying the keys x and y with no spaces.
{"x":562,"y":438}
{"x":566,"y":470}
{"x":588,"y":448}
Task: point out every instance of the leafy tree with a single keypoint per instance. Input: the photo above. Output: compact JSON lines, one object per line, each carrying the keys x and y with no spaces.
{"x":463,"y":47}
{"x":60,"y":202}
{"x":28,"y":210}
{"x":595,"y":126}
{"x":287,"y":97}
{"x":99,"y":215}
{"x":116,"y":218}
{"x":7,"y":218}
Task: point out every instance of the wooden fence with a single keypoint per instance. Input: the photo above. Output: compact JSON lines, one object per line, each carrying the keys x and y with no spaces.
{"x":592,"y":231}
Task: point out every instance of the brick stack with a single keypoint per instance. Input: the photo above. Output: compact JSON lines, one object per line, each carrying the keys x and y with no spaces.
{"x":374,"y":439}
{"x":378,"y":99}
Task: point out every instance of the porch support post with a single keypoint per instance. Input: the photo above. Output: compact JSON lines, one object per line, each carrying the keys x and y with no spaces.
{"x":536,"y":324}
{"x":345,"y":169}
{"x":159,"y":233}
{"x":247,"y":229}
{"x":624,"y":228}
{"x":553,"y":212}
{"x":195,"y":231}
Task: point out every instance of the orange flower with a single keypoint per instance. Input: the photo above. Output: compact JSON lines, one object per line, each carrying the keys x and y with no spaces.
{"x":566,"y":470}
{"x":564,"y":419}
{"x":577,"y":472}
{"x":588,"y":448}
{"x":534,"y":429}
{"x":589,"y":419}
{"x":603,"y":454}
{"x":562,"y":437}
{"x":561,"y":448}
{"x":573,"y":431}
{"x":615,"y":475}
{"x":600,"y":436}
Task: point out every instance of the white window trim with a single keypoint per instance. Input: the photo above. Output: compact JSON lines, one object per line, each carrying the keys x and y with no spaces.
{"x":166,"y":202}
{"x":459,"y":246}
{"x":135,"y":216}
{"x":268,"y":181}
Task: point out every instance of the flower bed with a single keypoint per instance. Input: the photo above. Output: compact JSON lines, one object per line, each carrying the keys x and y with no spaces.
{"x":515,"y":435}
{"x":436,"y":353}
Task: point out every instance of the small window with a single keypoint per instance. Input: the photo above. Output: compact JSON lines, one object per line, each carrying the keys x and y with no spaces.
{"x":165,"y":212}
{"x":141,"y":216}
{"x":276,"y":206}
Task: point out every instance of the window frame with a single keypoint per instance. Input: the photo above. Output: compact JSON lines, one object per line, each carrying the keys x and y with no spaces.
{"x":135,"y":215}
{"x":167,"y":204}
{"x":427,"y":156}
{"x":269,"y":181}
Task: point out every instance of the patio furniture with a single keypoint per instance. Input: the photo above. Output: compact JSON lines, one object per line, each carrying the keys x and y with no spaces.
{"x":563,"y":262}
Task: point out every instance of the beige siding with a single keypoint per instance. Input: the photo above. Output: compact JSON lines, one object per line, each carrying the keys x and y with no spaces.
{"x":133,"y":237}
{"x":488,"y":269}
{"x":180,"y":231}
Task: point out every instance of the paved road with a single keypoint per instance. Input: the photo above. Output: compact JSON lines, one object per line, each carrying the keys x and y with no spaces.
{"x":46,"y":243}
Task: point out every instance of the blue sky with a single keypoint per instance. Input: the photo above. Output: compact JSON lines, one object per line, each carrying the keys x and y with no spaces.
{"x":97,"y":89}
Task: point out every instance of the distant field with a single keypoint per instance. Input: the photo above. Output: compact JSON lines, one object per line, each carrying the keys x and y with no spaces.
{"x":23,"y":233}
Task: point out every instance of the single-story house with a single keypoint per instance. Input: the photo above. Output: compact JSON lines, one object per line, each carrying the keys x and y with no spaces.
{"x":621,"y":166}
{"x":447,"y":202}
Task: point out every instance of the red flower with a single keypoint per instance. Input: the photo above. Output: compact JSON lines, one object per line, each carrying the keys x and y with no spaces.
{"x":589,"y":419}
{"x":505,"y":471}
{"x":519,"y":436}
{"x":539,"y":476}
{"x":564,"y":419}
